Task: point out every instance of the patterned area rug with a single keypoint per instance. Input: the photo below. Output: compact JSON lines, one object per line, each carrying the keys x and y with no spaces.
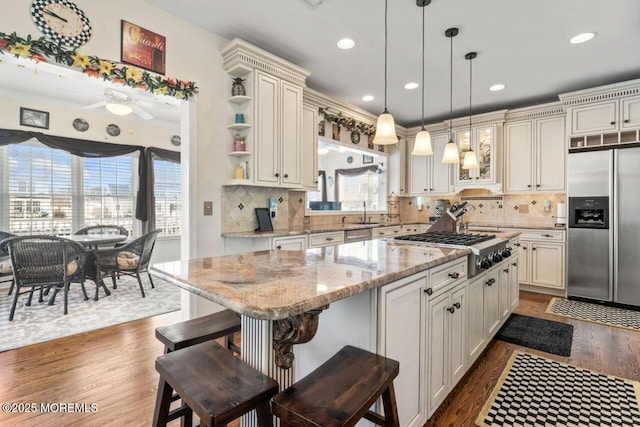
{"x":535,"y":391}
{"x":611,"y":316}
{"x":41,"y":322}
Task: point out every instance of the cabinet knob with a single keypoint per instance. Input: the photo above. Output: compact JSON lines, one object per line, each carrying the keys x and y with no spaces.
{"x":457,"y":305}
{"x":612,"y":123}
{"x":316,"y":181}
{"x":515,"y":264}
{"x":524,"y":247}
{"x":626,"y":120}
{"x":547,"y":235}
{"x":424,"y":189}
{"x":517,"y":244}
{"x":277,"y":175}
{"x":428,"y":291}
{"x":451,"y":309}
{"x":286,"y":175}
{"x":537,"y":185}
{"x":529,"y":185}
{"x":329,"y":239}
{"x":431,"y":189}
{"x":533,"y":248}
{"x":279,"y":247}
{"x":506,"y":270}
{"x":454,"y":275}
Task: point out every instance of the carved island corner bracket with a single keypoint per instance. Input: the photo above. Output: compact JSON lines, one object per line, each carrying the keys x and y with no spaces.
{"x":297,"y":329}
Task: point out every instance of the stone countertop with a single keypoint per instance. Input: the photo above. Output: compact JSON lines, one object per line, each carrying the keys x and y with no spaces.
{"x":273,"y":285}
{"x":297,"y":231}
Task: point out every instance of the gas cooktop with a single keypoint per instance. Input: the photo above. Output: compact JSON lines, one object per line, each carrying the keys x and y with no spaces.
{"x":447,"y":238}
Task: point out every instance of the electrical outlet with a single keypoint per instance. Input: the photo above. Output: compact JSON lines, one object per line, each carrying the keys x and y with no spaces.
{"x":208,"y":208}
{"x":306,"y":220}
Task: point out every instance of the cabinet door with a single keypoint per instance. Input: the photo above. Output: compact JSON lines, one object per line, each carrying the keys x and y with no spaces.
{"x":547,"y":264}
{"x":464,"y":176}
{"x":524,"y":257}
{"x":519,"y":157}
{"x":266,"y":129}
{"x":476,"y":341}
{"x":290,"y":134}
{"x":630,"y":113}
{"x":594,"y":118}
{"x":309,"y":147}
{"x":550,"y":154}
{"x":514,"y":286}
{"x":290,"y":243}
{"x":440,"y":172}
{"x":438,"y":357}
{"x":458,"y":334}
{"x":419,"y":173}
{"x":503,"y":293}
{"x":402,"y":338}
{"x":491,"y":303}
{"x":485,"y":152}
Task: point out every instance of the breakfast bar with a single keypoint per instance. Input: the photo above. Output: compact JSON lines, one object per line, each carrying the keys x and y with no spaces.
{"x":280,"y":296}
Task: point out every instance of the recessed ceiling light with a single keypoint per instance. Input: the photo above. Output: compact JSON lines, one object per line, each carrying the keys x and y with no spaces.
{"x":496,"y":87}
{"x":411,"y":85}
{"x":581,"y":38}
{"x":367,"y":98}
{"x":346,"y":43}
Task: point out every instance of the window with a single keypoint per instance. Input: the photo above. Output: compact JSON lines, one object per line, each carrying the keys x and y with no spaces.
{"x":167,"y":177}
{"x":356,"y":190}
{"x":49,"y":191}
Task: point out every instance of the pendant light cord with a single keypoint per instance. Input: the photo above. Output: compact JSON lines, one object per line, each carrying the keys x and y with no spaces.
{"x":385,"y":54}
{"x":451,"y":90}
{"x":470,"y":92}
{"x":423,"y":13}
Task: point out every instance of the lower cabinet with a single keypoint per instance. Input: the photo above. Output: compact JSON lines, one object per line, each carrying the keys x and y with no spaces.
{"x":447,"y":358}
{"x":514,"y":274}
{"x":491,"y":298}
{"x":297,"y":243}
{"x":541,"y":258}
{"x":402,"y":337}
{"x":476,"y":338}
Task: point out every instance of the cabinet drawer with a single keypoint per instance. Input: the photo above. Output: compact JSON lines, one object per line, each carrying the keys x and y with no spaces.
{"x":544,"y":235}
{"x":410,"y":229}
{"x":442,"y":276}
{"x":386,"y":232}
{"x":326,"y":239}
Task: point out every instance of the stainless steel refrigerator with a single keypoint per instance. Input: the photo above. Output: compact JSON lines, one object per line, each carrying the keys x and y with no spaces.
{"x":603,"y":249}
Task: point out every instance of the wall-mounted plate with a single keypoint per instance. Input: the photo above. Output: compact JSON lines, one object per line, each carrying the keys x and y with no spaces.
{"x":81,"y":125}
{"x":113,"y":130}
{"x":176,"y":140}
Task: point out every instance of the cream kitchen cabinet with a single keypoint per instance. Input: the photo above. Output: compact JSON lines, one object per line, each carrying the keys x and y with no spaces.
{"x":491,"y":299}
{"x":630,"y":114}
{"x":278,"y":133}
{"x":402,"y":337}
{"x":309,"y":147}
{"x":485,"y":142}
{"x":408,"y":229}
{"x":535,"y":155}
{"x":386,"y":232}
{"x":447,"y":339}
{"x":293,"y":243}
{"x":619,"y":114}
{"x":427,"y":174}
{"x":541,"y":258}
{"x":318,"y":240}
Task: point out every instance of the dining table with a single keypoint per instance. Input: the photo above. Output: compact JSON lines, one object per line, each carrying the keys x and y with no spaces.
{"x":94,"y":241}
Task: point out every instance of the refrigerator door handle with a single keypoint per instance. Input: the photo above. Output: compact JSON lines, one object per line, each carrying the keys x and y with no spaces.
{"x":613,"y":228}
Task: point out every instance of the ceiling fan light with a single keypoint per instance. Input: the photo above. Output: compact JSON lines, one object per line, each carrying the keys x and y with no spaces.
{"x":470,"y":160}
{"x":385,"y":130}
{"x":451,"y":154}
{"x":118,"y":109}
{"x":322,"y":151}
{"x":422,"y":146}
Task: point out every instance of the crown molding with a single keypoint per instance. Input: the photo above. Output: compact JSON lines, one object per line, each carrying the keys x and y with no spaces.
{"x":600,"y":93}
{"x":536,"y":111}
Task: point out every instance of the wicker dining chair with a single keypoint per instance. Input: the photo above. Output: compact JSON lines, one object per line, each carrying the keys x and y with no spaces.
{"x":44,"y":263}
{"x":130,"y":259}
{"x":5,"y":261}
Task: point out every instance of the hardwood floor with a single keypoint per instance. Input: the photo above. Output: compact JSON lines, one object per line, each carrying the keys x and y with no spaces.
{"x":114,"y":368}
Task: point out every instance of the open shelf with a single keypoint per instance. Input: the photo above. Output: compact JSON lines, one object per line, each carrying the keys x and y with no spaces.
{"x":604,"y":139}
{"x":238,"y":153}
{"x":239,"y":126}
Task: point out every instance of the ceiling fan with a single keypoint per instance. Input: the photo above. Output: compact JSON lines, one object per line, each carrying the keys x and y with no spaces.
{"x":121,"y":104}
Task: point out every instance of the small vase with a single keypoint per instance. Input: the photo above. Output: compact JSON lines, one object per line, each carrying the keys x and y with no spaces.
{"x":238,"y":89}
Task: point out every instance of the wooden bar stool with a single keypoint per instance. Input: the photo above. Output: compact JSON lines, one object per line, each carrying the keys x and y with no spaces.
{"x":340,"y":392}
{"x":213,"y":383}
{"x":195,"y":331}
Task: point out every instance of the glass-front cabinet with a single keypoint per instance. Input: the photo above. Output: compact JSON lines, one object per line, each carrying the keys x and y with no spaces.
{"x":484,"y":144}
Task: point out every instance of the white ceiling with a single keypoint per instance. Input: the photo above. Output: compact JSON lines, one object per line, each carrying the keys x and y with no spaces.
{"x":522,"y":44}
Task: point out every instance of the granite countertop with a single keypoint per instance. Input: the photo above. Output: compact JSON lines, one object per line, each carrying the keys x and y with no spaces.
{"x":276,"y":284}
{"x":296,"y":231}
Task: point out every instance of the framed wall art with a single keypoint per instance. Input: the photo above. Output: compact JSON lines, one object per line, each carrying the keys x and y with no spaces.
{"x":34,"y":118}
{"x":366,"y":159}
{"x":142,"y":48}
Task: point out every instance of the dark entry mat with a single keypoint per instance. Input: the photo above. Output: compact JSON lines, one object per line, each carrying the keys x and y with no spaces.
{"x":539,"y":334}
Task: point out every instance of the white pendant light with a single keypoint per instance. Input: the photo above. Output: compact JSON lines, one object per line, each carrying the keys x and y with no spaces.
{"x":451,"y":154}
{"x":470,"y":159}
{"x":385,"y":127}
{"x":422,"y":145}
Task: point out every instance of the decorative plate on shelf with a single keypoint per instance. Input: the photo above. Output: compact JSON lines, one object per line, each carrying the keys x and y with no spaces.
{"x":355,"y":137}
{"x":176,"y":140}
{"x":113,"y":130}
{"x":81,"y":125}
{"x":349,"y":159}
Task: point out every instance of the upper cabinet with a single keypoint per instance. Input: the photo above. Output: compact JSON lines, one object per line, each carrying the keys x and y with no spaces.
{"x":535,"y":150}
{"x":271,"y":120}
{"x":309,"y":146}
{"x":604,"y":115}
{"x":427,"y":174}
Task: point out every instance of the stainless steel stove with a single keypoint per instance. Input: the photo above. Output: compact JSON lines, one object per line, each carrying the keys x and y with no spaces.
{"x":486,"y":249}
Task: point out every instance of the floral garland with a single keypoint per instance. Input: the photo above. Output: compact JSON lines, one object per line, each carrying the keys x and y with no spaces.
{"x":43,"y":50}
{"x":349,"y":123}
